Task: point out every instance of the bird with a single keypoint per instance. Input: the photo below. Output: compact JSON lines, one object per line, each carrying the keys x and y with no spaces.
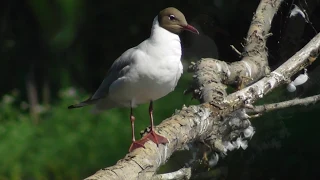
{"x":144,"y":73}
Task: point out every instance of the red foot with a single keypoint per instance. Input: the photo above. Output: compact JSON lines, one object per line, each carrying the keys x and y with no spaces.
{"x":137,"y":144}
{"x":156,"y":138}
{"x":152,"y":136}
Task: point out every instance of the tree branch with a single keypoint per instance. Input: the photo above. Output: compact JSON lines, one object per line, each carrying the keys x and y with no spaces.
{"x":211,"y":75}
{"x":212,"y":122}
{"x":183,"y":173}
{"x":202,"y":123}
{"x":285,"y":104}
{"x":281,"y":75}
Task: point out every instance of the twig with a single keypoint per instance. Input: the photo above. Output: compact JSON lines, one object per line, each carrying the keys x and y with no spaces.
{"x":181,"y":174}
{"x":285,"y":104}
{"x":236,"y":50}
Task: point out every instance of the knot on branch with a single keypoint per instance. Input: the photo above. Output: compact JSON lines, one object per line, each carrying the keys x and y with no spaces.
{"x":208,"y":80}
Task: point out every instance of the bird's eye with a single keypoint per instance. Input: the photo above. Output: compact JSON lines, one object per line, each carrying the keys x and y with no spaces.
{"x":171,"y":17}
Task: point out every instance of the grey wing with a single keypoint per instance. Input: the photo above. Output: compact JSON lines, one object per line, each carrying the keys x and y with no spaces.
{"x":117,"y":70}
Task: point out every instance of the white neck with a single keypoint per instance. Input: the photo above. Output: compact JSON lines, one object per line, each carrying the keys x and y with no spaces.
{"x":160,"y":36}
{"x":158,"y":33}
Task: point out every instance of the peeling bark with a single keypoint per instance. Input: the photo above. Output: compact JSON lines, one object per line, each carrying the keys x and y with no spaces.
{"x":212,"y":122}
{"x":212,"y":75}
{"x":202,"y":122}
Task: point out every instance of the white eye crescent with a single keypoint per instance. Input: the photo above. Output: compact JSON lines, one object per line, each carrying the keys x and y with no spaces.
{"x":172,"y":17}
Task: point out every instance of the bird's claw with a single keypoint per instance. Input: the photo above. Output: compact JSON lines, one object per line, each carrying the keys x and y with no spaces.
{"x":137,"y":144}
{"x":156,"y":138}
{"x":152,"y":136}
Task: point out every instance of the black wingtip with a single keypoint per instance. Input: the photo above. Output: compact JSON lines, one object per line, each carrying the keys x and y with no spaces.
{"x":71,"y":107}
{"x":74,"y":106}
{"x":84,"y":103}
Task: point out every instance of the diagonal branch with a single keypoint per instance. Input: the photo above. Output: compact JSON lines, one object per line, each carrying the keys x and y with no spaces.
{"x":202,"y":122}
{"x":285,"y":104}
{"x":211,"y":75}
{"x":208,"y":122}
{"x":281,"y":75}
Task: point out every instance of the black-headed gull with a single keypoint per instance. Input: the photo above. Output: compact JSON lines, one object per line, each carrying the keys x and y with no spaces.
{"x":145,"y":73}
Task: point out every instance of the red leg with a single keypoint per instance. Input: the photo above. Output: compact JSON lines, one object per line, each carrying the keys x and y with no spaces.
{"x":152,"y":135}
{"x":135,"y":144}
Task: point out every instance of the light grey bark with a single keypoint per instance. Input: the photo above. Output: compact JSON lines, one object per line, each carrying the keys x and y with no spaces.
{"x":210,"y":122}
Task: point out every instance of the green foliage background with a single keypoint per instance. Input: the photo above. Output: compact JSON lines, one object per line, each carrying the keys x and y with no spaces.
{"x":71,"y":144}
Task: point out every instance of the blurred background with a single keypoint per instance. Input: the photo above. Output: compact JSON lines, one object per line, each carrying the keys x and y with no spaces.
{"x":54,"y":53}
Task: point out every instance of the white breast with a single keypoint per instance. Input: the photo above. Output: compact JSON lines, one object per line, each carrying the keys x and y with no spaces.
{"x":158,"y":80}
{"x":147,"y":80}
{"x":155,"y":70}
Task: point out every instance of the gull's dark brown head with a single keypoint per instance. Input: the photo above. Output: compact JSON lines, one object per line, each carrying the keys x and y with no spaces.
{"x":174,"y":21}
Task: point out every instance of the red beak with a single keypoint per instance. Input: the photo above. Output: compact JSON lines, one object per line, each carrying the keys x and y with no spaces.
{"x":191,"y":29}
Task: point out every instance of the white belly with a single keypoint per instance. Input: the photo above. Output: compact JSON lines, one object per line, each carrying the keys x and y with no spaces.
{"x":150,"y":82}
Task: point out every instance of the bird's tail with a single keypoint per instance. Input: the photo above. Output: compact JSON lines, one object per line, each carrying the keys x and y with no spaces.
{"x":83,"y":103}
{"x":102,"y":105}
